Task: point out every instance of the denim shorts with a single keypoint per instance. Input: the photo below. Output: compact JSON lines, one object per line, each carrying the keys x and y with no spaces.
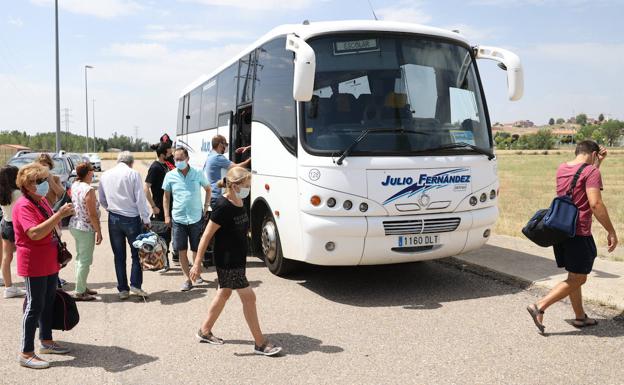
{"x":7,"y":231}
{"x":183,"y":234}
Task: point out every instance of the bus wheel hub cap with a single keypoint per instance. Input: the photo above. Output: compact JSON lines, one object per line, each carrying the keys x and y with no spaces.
{"x":269,"y":241}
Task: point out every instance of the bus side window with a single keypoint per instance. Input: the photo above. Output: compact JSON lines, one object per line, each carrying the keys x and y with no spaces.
{"x":273,"y":104}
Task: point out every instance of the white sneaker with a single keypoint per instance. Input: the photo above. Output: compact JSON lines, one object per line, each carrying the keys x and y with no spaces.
{"x":138,"y":292}
{"x":11,"y":292}
{"x":199,"y":281}
{"x":123,"y":295}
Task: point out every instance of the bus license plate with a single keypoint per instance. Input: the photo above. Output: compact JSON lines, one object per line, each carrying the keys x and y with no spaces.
{"x":419,"y":240}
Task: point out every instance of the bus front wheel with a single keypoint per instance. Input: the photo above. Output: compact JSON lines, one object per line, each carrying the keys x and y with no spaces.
{"x":272,"y":248}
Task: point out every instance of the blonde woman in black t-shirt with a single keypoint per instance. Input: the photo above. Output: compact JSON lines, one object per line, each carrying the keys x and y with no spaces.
{"x":228,"y":225}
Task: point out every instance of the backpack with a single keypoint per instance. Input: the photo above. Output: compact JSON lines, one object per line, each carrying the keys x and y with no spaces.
{"x":548,"y":227}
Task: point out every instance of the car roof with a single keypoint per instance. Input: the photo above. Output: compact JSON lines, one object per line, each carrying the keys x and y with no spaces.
{"x":33,"y":155}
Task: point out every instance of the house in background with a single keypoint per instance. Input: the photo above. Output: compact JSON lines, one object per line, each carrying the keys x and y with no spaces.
{"x":7,"y":151}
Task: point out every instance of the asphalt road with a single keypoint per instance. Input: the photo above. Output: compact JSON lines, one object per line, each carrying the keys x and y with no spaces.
{"x":421,"y":323}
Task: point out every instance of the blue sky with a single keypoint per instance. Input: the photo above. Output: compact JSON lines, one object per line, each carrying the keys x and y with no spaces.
{"x":145,"y":51}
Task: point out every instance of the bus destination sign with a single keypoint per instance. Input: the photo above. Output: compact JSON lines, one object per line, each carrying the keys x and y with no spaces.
{"x":355,"y":46}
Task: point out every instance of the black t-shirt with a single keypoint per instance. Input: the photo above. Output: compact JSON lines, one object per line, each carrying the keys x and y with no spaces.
{"x":155,"y":177}
{"x":230,"y":247}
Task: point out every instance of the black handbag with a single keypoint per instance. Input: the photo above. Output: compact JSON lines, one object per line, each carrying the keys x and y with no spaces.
{"x":551,"y":226}
{"x":65,"y":315}
{"x":63,"y":255}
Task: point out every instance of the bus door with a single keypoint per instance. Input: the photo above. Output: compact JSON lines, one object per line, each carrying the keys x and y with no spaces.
{"x":186,"y":117}
{"x":225,"y":126}
{"x":241,"y":134}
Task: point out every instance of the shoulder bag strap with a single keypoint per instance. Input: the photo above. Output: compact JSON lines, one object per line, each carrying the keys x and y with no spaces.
{"x":575,"y":179}
{"x":45,"y":214}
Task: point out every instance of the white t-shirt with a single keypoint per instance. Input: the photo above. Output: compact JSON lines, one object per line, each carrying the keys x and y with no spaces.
{"x":7,"y":211}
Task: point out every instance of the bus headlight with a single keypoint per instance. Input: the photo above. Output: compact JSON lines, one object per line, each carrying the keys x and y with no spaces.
{"x":473,"y":200}
{"x":347,"y":205}
{"x":363,"y":207}
{"x":331,"y":202}
{"x":483,"y":197}
{"x":492,"y":194}
{"x":330,"y":246}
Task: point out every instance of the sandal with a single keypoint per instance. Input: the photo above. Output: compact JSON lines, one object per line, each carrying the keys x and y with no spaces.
{"x":583,"y":322}
{"x":267,"y":349}
{"x":534,"y":311}
{"x":209,"y":338}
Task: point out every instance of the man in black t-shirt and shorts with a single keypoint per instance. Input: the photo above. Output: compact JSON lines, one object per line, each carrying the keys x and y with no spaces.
{"x":155,"y":194}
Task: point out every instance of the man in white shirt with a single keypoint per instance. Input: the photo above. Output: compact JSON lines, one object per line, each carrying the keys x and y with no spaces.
{"x":121,"y":193}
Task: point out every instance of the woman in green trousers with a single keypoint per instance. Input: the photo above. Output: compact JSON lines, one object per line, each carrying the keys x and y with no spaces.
{"x":85,"y":228}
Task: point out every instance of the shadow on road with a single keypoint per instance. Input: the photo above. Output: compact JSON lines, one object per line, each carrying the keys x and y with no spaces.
{"x":606,"y":328}
{"x":113,"y":359}
{"x":293,"y":344}
{"x":414,"y":286}
{"x":534,"y":267}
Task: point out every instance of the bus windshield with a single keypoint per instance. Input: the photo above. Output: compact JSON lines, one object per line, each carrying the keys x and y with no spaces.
{"x":415,"y":93}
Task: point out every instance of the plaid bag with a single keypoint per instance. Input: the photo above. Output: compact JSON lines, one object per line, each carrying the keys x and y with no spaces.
{"x":153,"y":258}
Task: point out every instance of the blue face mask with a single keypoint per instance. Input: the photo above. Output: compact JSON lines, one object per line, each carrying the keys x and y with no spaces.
{"x":43,"y":188}
{"x":181,"y":164}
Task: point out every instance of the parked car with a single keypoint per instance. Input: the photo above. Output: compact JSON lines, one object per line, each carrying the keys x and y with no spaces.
{"x":80,"y":158}
{"x":76,"y":158}
{"x":63,"y":168}
{"x":95,"y":160}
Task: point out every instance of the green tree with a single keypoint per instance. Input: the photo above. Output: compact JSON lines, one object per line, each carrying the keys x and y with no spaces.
{"x":560,"y":120}
{"x":601,"y":118}
{"x":542,"y":140}
{"x":581,"y":119}
{"x":598,"y":137}
{"x":585,"y":132}
{"x":70,"y":142}
{"x":551,"y":122}
{"x":611,"y":131}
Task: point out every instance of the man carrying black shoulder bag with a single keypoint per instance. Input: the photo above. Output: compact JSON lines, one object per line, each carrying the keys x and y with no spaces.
{"x":577,"y":253}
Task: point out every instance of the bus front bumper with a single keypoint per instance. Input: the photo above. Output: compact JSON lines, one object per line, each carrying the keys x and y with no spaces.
{"x":350,"y":241}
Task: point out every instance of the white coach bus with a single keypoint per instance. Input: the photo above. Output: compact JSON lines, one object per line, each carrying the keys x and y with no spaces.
{"x":371,"y":140}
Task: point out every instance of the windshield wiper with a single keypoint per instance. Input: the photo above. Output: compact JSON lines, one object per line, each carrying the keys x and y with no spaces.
{"x":461,"y":145}
{"x":364,"y":133}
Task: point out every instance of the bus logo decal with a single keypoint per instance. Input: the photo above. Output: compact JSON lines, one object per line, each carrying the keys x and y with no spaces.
{"x":426,"y":182}
{"x":314,"y":174}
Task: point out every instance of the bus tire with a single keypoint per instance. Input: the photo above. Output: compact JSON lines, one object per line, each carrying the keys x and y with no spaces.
{"x":272,"y":248}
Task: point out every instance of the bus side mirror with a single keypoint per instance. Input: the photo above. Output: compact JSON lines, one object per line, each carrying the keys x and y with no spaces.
{"x":305,"y":66}
{"x":509,"y":62}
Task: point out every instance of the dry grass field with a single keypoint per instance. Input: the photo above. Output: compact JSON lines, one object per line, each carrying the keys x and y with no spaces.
{"x":527,"y":183}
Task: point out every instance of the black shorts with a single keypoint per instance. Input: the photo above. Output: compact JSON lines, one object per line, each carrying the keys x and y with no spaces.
{"x":576,"y":254}
{"x":232,"y":278}
{"x":7,"y":231}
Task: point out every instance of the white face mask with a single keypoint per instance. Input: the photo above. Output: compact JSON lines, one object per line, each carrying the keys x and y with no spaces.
{"x":243,"y":193}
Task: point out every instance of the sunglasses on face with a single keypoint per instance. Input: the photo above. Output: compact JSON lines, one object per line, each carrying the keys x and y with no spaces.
{"x":41,"y":180}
